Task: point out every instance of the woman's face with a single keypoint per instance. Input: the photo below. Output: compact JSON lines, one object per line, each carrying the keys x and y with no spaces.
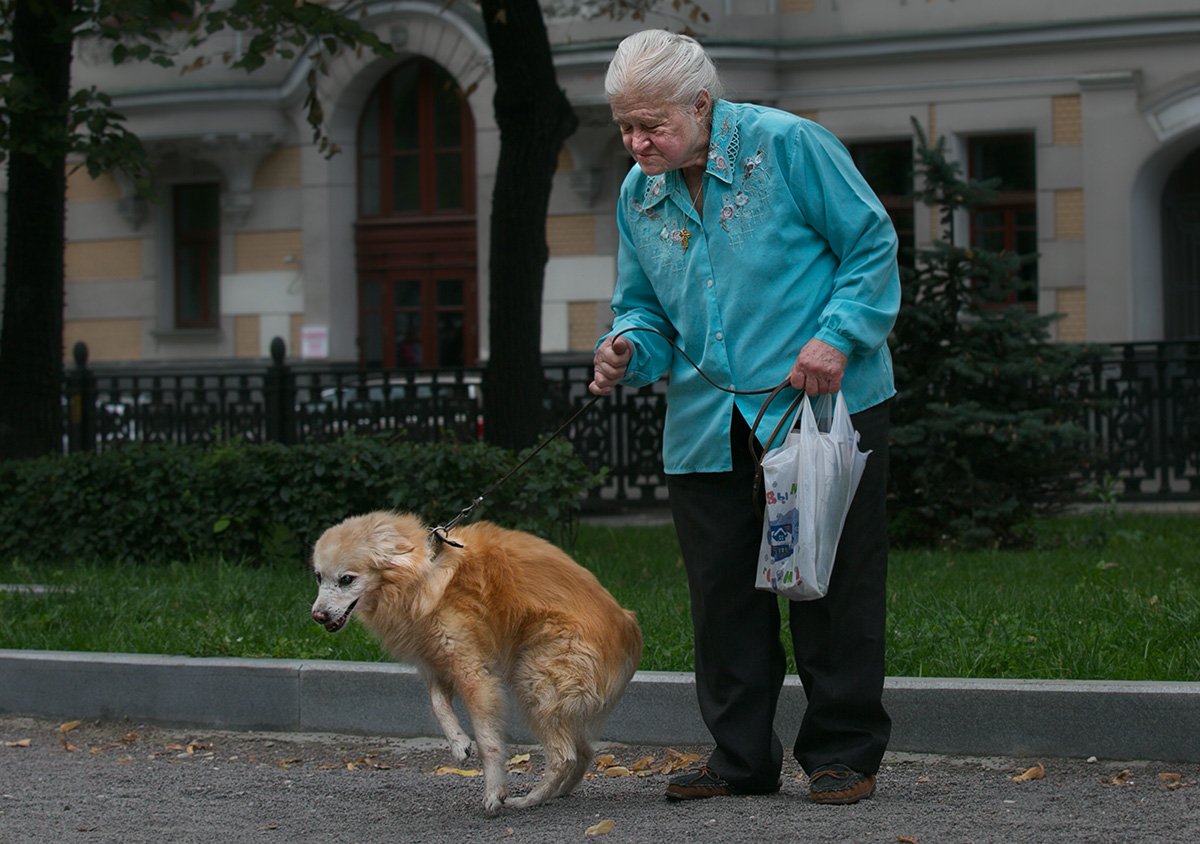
{"x":664,"y":136}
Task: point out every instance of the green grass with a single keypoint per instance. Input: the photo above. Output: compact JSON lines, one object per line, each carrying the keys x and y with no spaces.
{"x":1127,"y":608}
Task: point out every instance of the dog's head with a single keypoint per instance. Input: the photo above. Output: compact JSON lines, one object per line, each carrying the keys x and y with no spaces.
{"x":352,"y":558}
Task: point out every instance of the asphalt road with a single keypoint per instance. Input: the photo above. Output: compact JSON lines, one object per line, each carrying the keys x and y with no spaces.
{"x":135,"y":784}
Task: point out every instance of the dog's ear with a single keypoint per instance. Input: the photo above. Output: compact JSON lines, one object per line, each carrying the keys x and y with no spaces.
{"x":387,"y":546}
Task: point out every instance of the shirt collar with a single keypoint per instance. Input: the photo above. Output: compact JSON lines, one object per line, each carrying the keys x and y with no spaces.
{"x":723,"y":143}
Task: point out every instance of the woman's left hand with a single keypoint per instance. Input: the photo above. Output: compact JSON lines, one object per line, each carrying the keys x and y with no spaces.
{"x":818,"y":368}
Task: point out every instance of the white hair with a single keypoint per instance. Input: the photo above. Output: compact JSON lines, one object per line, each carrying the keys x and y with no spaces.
{"x":657,"y":65}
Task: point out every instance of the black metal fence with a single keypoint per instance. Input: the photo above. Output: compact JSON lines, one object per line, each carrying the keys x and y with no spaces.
{"x":1148,"y":427}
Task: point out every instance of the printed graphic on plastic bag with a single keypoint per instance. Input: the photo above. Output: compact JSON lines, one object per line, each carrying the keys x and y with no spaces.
{"x":809,"y":483}
{"x":782,"y":534}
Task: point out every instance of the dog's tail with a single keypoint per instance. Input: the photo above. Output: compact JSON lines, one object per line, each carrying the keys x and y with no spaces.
{"x":630,"y":636}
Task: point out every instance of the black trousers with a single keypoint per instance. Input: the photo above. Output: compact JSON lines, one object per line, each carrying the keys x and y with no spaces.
{"x":838,"y":640}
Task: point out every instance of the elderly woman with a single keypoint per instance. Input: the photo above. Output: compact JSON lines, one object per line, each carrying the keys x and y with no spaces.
{"x":749,"y":240}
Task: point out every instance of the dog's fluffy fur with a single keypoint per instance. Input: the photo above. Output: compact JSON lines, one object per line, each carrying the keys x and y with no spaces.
{"x":505,"y":609}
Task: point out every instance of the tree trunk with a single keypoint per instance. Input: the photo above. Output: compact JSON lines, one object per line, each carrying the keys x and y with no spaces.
{"x":534,"y":118}
{"x":31,"y":339}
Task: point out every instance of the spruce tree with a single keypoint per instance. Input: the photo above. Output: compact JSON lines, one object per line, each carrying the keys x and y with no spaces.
{"x":987,"y":432}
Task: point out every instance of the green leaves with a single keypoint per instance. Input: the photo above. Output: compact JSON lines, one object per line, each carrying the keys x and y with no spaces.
{"x":267,"y":503}
{"x":164,"y":33}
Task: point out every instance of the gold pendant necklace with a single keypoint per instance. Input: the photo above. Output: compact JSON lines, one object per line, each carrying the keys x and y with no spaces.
{"x":684,"y":234}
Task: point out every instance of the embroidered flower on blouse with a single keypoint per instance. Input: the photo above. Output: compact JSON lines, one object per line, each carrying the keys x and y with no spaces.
{"x":730,"y":206}
{"x":719,"y":160}
{"x":752,"y":162}
{"x":727,"y":211}
{"x":641,"y":209}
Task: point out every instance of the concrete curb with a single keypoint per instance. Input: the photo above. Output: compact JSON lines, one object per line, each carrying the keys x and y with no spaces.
{"x":1111,"y":720}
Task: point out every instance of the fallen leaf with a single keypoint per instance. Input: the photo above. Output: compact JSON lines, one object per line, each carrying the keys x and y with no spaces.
{"x":676,"y":760}
{"x":1165,"y":777}
{"x":1037,"y":772}
{"x":520,"y":764}
{"x":1123,"y":777}
{"x":19,"y":743}
{"x":617,"y":771}
{"x":642,"y":764}
{"x":458,"y":772}
{"x":287,"y":763}
{"x":367,"y":761}
{"x":922,"y":779}
{"x":906,"y":839}
{"x":70,"y":725}
{"x":68,"y":747}
{"x":604,"y":827}
{"x":604,"y":760}
{"x":174,"y":747}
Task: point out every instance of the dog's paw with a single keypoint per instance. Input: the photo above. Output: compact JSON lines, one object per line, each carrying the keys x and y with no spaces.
{"x":494,"y":803}
{"x":460,"y":749}
{"x":520,"y":802}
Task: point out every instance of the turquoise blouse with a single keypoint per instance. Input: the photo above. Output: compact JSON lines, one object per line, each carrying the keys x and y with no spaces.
{"x":792,"y":245}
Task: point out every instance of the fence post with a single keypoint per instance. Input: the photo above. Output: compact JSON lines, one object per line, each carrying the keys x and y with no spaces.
{"x":278,"y":394}
{"x":81,"y":403}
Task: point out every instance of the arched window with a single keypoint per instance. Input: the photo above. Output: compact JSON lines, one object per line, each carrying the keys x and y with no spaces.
{"x":415,"y":234}
{"x":414,"y":145}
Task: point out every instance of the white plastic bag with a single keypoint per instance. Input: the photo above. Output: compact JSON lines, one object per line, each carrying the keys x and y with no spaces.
{"x":808,"y":483}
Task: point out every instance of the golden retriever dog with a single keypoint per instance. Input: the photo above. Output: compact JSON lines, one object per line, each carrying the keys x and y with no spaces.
{"x":504,"y":610}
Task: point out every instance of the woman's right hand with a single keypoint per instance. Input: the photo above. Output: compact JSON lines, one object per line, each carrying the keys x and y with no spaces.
{"x":610,"y":361}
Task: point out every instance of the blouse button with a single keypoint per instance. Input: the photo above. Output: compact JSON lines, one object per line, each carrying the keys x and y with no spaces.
{"x":720,"y":336}
{"x":710,"y":283}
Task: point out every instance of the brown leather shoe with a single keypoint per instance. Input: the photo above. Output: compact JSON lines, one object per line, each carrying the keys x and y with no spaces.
{"x":697,"y":785}
{"x":839,"y":786}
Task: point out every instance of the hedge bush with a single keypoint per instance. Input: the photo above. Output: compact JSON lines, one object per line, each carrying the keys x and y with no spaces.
{"x":267,"y":503}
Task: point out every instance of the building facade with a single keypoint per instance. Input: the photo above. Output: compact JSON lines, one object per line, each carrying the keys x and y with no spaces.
{"x":1088,"y":111}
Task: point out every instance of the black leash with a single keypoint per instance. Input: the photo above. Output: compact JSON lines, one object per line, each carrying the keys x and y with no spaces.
{"x":440,"y":532}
